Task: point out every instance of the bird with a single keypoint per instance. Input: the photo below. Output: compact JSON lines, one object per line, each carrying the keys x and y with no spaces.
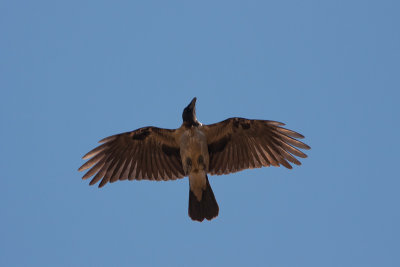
{"x":195,"y":150}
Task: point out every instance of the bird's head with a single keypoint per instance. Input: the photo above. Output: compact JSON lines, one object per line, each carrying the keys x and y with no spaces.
{"x":189,"y":114}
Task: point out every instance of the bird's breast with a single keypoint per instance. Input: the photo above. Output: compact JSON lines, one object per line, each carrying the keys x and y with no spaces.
{"x":194,"y":151}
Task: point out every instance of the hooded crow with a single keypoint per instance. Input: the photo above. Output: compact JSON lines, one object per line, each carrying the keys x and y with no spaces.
{"x":193,"y":150}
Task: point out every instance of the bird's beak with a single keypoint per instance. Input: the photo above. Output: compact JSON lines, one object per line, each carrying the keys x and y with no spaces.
{"x":192,"y":104}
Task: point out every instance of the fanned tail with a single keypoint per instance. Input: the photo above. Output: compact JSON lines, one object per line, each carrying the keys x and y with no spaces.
{"x":206,"y":208}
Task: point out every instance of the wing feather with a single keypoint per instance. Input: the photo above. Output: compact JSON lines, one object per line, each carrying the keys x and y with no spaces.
{"x":118,"y":170}
{"x":125,"y":173}
{"x":157,"y":165}
{"x":270,"y":156}
{"x":234,"y":163}
{"x":132,"y":172}
{"x":171,"y":167}
{"x":164,"y":166}
{"x":134,"y":158}
{"x":255,"y":155}
{"x":94,"y":169}
{"x":100,"y":174}
{"x":135,"y":155}
{"x":246,"y":154}
{"x":91,"y":162}
{"x":291,"y":149}
{"x":94,"y":151}
{"x":252,"y":159}
{"x":289,"y":132}
{"x":139,"y":163}
{"x":279,"y":157}
{"x":259,"y":144}
{"x":147,"y":161}
{"x":220,"y":159}
{"x":229,"y":156}
{"x":109,"y":171}
{"x":288,"y":156}
{"x":292,"y":141}
{"x":225,"y":160}
{"x":122,"y":157}
{"x":236,"y":144}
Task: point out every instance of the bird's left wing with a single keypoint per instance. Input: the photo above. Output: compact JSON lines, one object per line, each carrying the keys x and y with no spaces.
{"x":236,"y":144}
{"x":148,"y":153}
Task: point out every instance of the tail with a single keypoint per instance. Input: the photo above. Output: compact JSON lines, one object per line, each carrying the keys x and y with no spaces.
{"x":206,"y":208}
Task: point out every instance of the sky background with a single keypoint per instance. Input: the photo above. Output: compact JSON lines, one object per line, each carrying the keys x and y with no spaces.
{"x":74,"y":72}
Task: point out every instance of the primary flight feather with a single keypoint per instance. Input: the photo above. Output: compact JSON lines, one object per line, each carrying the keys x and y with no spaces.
{"x":193,"y":150}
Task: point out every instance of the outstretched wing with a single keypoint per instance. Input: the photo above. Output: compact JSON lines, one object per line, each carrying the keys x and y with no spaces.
{"x":148,"y":153}
{"x":236,"y":144}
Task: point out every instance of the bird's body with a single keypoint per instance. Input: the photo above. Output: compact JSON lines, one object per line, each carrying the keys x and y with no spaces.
{"x":194,"y":155}
{"x":195,"y":161}
{"x":193,"y":150}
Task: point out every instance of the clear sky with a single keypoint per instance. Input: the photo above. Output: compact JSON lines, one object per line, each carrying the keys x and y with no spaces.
{"x":73,"y":72}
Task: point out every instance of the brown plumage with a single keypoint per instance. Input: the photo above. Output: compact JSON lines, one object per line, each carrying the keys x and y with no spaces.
{"x":236,"y":144}
{"x":193,"y":150}
{"x":148,"y":153}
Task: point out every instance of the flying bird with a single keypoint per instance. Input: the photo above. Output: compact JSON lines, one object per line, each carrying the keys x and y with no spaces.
{"x":193,"y":150}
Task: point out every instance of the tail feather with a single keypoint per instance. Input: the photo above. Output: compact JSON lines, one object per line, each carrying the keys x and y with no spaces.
{"x":207,"y":208}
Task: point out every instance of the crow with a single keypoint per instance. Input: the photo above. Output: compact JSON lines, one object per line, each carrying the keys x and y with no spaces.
{"x":194,"y":150}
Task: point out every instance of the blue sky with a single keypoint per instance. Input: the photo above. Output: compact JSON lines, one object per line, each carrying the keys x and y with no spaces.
{"x":73,"y":72}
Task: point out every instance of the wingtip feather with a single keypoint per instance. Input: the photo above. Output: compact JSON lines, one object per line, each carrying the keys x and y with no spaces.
{"x":276,"y":123}
{"x":109,"y":138}
{"x":87,"y":156}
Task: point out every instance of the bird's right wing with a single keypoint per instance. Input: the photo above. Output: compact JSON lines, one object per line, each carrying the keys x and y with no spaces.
{"x":148,"y":153}
{"x":236,"y":144}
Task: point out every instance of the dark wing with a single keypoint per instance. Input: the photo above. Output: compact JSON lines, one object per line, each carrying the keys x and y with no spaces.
{"x":148,"y":153}
{"x":236,"y":144}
